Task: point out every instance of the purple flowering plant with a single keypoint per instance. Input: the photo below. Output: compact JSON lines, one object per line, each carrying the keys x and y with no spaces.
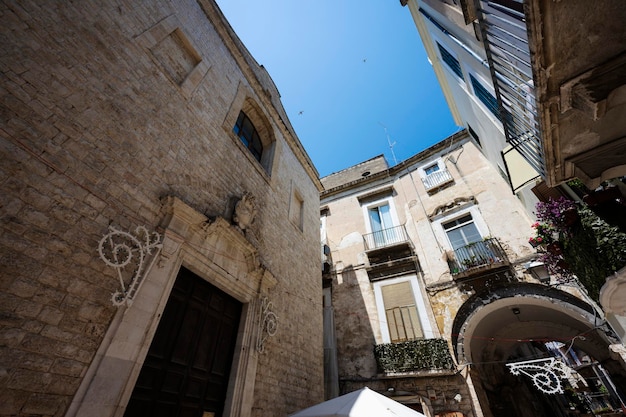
{"x":554,"y":212}
{"x":554,"y":224}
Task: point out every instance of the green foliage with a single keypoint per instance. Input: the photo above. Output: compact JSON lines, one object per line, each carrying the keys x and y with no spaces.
{"x":594,"y":250}
{"x":414,"y":355}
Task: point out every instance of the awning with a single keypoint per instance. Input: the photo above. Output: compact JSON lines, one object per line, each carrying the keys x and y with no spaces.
{"x":519,"y":171}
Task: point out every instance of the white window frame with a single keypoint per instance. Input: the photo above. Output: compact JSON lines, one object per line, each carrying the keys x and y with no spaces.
{"x":477,"y":219}
{"x":377,"y":203}
{"x":323,"y":236}
{"x":438,"y":161}
{"x":422,"y":312}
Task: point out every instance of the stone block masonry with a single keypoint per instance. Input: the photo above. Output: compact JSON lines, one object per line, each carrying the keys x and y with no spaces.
{"x":100,"y":121}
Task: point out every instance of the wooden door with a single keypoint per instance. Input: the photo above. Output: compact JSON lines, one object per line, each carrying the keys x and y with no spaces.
{"x":186,"y":371}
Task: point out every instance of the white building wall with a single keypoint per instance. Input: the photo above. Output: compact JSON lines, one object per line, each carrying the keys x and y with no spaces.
{"x":467,"y":109}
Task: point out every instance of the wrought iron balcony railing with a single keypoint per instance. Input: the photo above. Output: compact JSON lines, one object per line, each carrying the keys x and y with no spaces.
{"x":504,"y":33}
{"x":437,"y":179}
{"x":414,"y":356}
{"x":477,"y":256}
{"x":386,"y":237}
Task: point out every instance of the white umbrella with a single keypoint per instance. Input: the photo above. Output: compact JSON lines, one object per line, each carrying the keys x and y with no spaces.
{"x":361,"y":403}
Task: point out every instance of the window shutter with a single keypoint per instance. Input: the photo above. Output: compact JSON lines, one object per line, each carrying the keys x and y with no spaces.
{"x":401,"y":312}
{"x":544,"y":193}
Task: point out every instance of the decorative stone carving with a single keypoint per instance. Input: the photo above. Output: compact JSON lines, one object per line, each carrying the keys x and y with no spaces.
{"x":127,"y":254}
{"x":456,"y":203}
{"x":245,"y":211}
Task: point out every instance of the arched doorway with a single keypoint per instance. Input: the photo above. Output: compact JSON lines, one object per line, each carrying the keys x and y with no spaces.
{"x":522,"y":322}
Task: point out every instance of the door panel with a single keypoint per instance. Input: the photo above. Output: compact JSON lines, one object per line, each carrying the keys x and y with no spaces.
{"x":188,"y":364}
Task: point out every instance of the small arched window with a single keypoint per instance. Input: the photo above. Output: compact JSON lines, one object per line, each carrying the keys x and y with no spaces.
{"x":248,"y":134}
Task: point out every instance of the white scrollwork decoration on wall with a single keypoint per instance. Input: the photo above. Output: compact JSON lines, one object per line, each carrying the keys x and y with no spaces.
{"x":268,"y":324}
{"x":546,"y":374}
{"x":127,"y":254}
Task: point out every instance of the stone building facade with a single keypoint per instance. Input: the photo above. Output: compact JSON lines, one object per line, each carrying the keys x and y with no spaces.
{"x":144,"y":135}
{"x":432,"y":287}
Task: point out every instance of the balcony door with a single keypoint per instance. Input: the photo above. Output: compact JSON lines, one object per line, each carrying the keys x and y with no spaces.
{"x":382,"y":225}
{"x":462,"y":234}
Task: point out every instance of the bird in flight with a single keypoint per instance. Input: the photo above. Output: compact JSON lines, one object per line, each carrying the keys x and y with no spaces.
{"x":364,"y":59}
{"x":300,"y":112}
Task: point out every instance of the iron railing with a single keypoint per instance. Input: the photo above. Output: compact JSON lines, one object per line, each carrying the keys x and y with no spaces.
{"x":436,"y":178}
{"x":504,"y":33}
{"x":385,"y":237}
{"x":476,"y":255}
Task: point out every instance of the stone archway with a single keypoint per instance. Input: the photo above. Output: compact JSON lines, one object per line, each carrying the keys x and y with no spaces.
{"x":511,"y":323}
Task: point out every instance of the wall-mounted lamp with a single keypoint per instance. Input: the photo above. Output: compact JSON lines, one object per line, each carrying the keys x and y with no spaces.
{"x":538,"y":271}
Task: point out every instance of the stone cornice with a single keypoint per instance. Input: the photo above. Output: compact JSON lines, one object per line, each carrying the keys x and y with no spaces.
{"x":246,"y":63}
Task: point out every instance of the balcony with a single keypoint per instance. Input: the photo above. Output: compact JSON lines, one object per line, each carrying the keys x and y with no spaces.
{"x":386,"y":238}
{"x":437,"y":179}
{"x":390,"y":253}
{"x":419,"y":355}
{"x":477,"y":258}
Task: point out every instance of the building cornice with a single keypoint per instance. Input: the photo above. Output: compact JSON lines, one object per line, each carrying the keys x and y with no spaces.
{"x":451,"y":143}
{"x":248,"y":64}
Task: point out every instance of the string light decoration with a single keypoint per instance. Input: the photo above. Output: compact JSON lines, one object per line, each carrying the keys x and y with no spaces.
{"x":546,"y":374}
{"x":127,"y":254}
{"x":268,"y":324}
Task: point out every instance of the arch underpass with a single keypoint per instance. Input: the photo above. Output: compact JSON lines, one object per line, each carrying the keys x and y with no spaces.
{"x":513,"y":324}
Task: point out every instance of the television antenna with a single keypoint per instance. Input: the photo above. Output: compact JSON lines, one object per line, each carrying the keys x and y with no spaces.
{"x":391,"y":145}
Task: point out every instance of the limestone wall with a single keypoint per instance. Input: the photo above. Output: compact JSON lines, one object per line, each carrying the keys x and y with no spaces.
{"x":108,"y":108}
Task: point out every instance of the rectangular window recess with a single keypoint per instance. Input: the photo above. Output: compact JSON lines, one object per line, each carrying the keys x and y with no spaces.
{"x":485,"y":97}
{"x":451,"y":61}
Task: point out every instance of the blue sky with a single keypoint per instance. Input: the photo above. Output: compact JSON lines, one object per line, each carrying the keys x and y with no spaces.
{"x":353,"y":68}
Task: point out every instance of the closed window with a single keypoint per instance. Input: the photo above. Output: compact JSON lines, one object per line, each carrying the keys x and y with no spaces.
{"x":401,"y":312}
{"x":431,"y":169}
{"x":435,"y":174}
{"x":485,"y":96}
{"x":450,"y":61}
{"x":462,"y":232}
{"x":248,"y":134}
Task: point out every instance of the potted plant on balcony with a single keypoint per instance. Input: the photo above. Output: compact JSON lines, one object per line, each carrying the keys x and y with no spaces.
{"x":544,"y":235}
{"x":587,"y":247}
